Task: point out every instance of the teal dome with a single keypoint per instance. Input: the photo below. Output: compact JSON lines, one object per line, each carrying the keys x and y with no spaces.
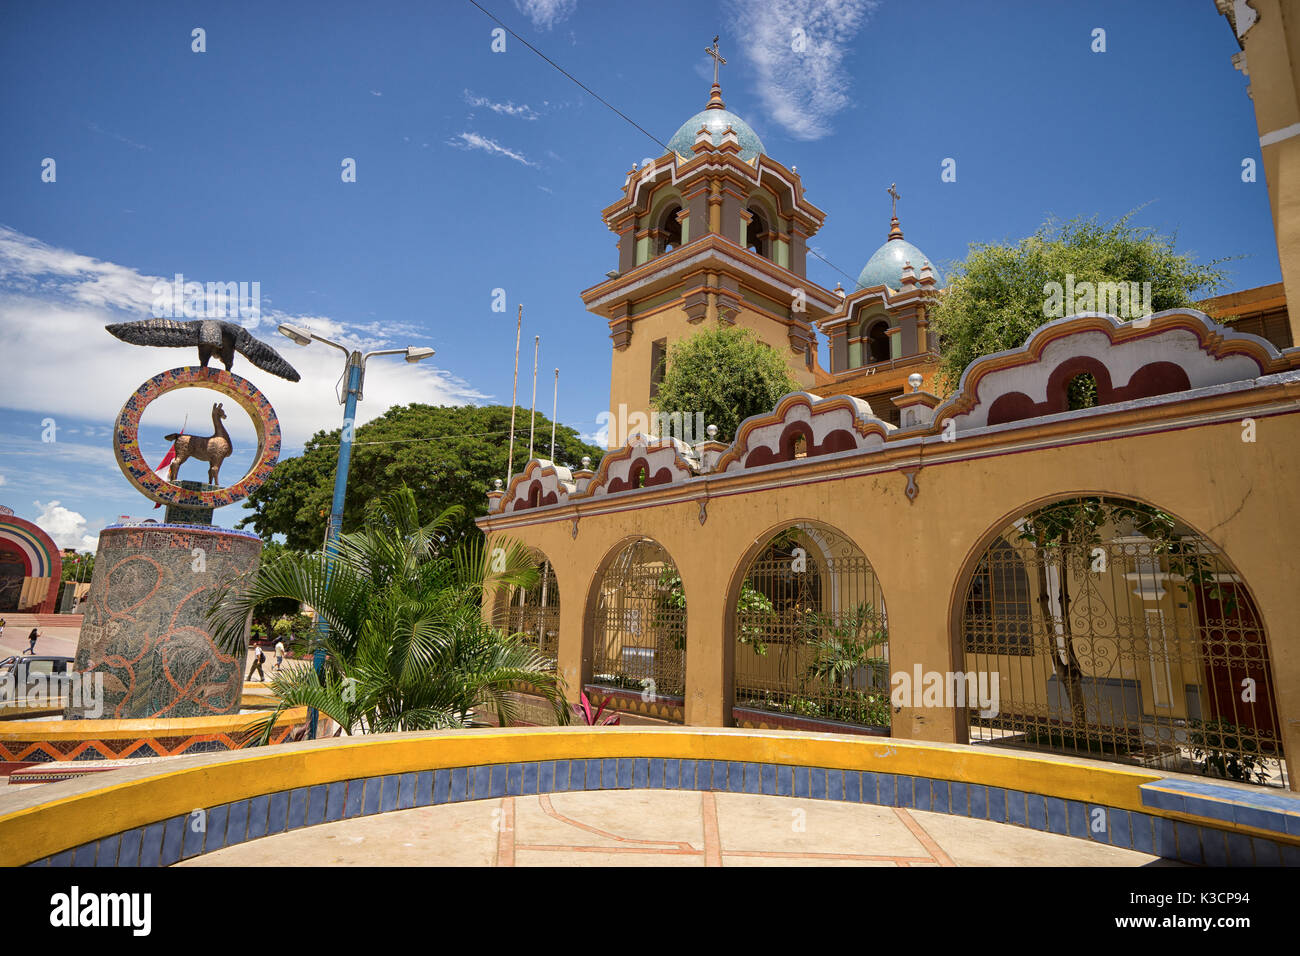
{"x":885,"y":267}
{"x":716,"y":121}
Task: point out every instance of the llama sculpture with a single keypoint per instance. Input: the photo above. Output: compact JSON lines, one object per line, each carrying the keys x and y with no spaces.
{"x":214,"y":449}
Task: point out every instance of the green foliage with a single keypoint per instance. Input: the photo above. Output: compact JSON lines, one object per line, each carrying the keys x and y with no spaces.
{"x":851,"y":707}
{"x":407,"y":648}
{"x":1081,"y":392}
{"x":845,"y":645}
{"x":447,"y":455}
{"x":758,"y":613}
{"x":1226,"y":750}
{"x":78,"y":567}
{"x":996,"y":296}
{"x":726,"y":373}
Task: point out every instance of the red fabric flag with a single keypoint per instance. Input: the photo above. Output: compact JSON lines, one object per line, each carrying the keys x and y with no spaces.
{"x":162,"y":465}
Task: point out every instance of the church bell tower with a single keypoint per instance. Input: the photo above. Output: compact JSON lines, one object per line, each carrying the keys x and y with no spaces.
{"x":712,"y":231}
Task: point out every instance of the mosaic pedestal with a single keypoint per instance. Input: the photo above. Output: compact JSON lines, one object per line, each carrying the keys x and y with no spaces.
{"x":179,"y":514}
{"x":146,"y":628}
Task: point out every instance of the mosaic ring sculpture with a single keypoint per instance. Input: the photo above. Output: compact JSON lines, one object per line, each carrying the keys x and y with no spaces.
{"x":126,"y":442}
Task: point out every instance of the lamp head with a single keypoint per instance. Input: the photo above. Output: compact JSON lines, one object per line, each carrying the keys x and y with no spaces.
{"x":300,"y":336}
{"x":418,"y":353}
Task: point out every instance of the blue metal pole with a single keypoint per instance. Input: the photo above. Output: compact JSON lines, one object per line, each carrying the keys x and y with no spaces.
{"x":335,"y":526}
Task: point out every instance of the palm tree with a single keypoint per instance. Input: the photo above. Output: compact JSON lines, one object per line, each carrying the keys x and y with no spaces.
{"x":407,"y":647}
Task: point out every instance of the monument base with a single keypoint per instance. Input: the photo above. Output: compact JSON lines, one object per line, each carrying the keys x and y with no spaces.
{"x":146,"y":629}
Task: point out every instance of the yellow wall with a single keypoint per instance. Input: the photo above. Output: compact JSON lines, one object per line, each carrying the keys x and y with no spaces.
{"x":1272,"y":48}
{"x":630,"y":368}
{"x":1243,"y":497}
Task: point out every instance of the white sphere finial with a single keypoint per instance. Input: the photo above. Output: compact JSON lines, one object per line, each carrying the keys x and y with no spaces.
{"x":496,"y":483}
{"x":915,"y":381}
{"x":712,"y":432}
{"x":586,"y":463}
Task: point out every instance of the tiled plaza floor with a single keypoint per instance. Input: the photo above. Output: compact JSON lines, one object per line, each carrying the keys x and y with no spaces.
{"x":667,"y":828}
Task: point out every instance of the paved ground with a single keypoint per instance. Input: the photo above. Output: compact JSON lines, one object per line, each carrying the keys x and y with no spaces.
{"x":56,"y":641}
{"x":667,"y":828}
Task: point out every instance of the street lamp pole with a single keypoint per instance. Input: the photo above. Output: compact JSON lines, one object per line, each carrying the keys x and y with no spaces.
{"x":355,"y":374}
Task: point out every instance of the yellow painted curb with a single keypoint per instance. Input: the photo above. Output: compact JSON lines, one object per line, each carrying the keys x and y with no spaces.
{"x":188,"y":783}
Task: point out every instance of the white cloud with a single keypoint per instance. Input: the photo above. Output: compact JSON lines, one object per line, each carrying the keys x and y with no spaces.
{"x":546,"y":13}
{"x":55,"y":304}
{"x":68,"y":528}
{"x":522,"y":111}
{"x":796,"y":49}
{"x":475,"y":141}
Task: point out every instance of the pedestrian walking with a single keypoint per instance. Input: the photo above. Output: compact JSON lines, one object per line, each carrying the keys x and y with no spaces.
{"x":279,"y":656}
{"x":258,"y":658}
{"x":31,"y":647}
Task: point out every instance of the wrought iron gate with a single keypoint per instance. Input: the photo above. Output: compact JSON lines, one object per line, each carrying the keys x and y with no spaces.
{"x":812,"y":638}
{"x":639,"y":630}
{"x":1115,"y":631}
{"x":533,"y":613}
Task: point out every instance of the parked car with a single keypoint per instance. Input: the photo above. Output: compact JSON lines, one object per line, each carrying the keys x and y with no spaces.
{"x":21,"y":671}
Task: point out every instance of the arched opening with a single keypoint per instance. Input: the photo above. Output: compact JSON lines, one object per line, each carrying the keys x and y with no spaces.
{"x":812,"y":635}
{"x":756,"y":234}
{"x":877,"y":342}
{"x":1081,"y":392}
{"x":670,"y":230}
{"x":1107,"y":628}
{"x":534,"y":612}
{"x":639,"y":623}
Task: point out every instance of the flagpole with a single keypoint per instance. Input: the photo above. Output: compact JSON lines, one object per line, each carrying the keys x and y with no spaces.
{"x":537,"y":341}
{"x":555,"y":400}
{"x":514,"y":392}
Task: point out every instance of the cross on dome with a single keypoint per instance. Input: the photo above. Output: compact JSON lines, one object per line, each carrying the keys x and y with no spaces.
{"x":715,"y":94}
{"x":718,"y":59}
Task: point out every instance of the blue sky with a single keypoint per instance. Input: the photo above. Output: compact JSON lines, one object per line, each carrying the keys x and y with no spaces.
{"x":479,"y":170}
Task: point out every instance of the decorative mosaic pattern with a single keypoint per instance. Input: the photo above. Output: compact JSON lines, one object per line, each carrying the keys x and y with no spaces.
{"x":630,"y":702}
{"x":169,"y":841}
{"x":50,"y":751}
{"x":139,"y":472}
{"x":145,"y":627}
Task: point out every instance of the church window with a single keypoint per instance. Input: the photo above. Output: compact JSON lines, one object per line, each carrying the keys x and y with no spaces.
{"x":658,"y":365}
{"x":800,"y":446}
{"x":670,"y":231}
{"x":756,"y":234}
{"x":877,"y":344}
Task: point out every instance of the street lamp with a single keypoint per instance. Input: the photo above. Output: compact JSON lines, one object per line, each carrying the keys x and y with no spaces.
{"x":355,"y":371}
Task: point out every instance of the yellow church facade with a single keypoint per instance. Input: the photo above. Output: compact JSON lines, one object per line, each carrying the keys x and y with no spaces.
{"x":993,"y":567}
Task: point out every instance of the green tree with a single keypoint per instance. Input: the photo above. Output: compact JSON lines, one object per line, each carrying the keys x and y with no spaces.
{"x":78,"y":567}
{"x":996,"y":297}
{"x":726,"y":373}
{"x":407,"y":647}
{"x":447,"y":455}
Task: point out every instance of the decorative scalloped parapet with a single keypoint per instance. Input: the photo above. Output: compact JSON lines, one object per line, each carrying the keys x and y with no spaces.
{"x":1171,"y":351}
{"x":644,"y":462}
{"x":541,"y":483}
{"x":826,"y":425}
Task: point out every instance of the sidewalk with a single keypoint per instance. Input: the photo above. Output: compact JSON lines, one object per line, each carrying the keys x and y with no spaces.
{"x":667,"y":828}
